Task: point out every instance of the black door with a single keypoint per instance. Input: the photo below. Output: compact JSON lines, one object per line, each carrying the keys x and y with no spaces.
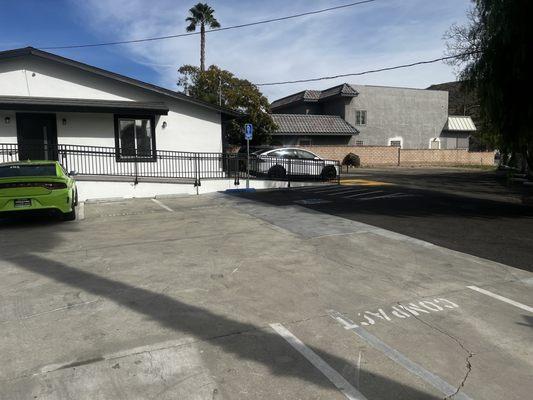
{"x":37,"y":136}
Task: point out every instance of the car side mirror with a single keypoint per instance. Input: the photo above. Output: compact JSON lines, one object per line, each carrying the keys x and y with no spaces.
{"x":73,"y":173}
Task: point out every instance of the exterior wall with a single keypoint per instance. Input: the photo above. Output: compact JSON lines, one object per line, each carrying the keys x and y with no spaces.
{"x":8,"y":132}
{"x":393,"y":156}
{"x":446,"y":157}
{"x":412,"y":115}
{"x":451,"y":140}
{"x":189,"y":127}
{"x":369,"y":155}
{"x":97,"y":190}
{"x":335,"y":106}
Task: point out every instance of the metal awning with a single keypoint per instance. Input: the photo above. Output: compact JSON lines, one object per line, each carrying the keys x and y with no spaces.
{"x":460,"y":123}
{"x":54,"y":104}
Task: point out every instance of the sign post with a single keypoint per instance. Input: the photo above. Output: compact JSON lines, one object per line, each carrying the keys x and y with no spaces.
{"x":248,"y":135}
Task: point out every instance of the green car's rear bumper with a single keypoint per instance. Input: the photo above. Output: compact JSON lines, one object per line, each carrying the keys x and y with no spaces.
{"x":57,"y":200}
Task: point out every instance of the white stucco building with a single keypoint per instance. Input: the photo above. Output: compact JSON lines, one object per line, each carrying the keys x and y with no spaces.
{"x":48,"y":101}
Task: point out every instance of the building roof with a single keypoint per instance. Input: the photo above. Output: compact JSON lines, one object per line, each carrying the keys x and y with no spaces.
{"x":306,"y":124}
{"x":314,"y":96}
{"x":460,"y":123}
{"x":22,"y":103}
{"x":31,"y":51}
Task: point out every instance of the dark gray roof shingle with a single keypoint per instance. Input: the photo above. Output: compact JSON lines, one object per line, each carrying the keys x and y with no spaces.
{"x":312,"y":96}
{"x":306,"y":124}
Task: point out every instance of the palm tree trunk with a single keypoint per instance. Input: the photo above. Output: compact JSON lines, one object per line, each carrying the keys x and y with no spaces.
{"x":202,"y":47}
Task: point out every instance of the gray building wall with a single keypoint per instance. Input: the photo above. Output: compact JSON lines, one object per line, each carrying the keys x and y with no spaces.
{"x":414,"y":115}
{"x":454,"y":140}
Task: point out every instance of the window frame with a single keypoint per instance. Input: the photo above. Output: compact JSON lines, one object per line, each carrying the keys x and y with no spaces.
{"x":435,"y":140}
{"x":118,"y":156}
{"x":360,"y":113}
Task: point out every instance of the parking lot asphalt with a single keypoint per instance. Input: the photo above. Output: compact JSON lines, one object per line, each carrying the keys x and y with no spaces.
{"x":223,"y":297}
{"x":474,"y":212}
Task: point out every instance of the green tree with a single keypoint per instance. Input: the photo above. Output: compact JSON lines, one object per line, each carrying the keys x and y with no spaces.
{"x":203,"y":15}
{"x":494,"y":58}
{"x":221,"y":87}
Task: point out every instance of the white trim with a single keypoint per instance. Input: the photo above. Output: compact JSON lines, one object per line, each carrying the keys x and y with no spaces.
{"x":434,"y":139}
{"x":396,"y":139}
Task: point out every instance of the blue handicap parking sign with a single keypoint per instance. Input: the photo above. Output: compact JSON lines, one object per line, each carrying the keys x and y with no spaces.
{"x":248,"y":131}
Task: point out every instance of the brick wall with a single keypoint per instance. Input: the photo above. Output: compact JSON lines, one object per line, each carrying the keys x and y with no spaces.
{"x":393,"y":156}
{"x":369,"y":155}
{"x":445,"y":157}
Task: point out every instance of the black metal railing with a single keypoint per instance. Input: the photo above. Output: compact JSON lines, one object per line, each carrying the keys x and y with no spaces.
{"x":172,"y":165}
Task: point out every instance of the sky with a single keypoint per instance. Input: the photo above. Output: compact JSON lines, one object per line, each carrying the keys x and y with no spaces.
{"x":374,"y":35}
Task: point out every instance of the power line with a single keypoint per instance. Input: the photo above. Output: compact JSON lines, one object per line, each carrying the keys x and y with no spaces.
{"x":151,"y":39}
{"x":371,"y":71}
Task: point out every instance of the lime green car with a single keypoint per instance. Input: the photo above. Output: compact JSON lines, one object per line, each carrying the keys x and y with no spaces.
{"x":37,"y":186}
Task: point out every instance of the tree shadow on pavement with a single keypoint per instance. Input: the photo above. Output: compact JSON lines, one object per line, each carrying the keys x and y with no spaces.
{"x":245,"y":341}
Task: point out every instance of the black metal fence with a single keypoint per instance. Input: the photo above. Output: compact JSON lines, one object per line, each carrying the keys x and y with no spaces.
{"x":173,"y":165}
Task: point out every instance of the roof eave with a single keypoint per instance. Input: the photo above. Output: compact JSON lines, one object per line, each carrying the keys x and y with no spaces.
{"x":118,"y":77}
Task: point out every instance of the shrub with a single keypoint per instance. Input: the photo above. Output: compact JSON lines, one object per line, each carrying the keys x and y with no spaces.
{"x":351,"y":160}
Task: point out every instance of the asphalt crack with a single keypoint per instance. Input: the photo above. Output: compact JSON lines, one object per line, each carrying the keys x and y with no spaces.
{"x":469,"y":354}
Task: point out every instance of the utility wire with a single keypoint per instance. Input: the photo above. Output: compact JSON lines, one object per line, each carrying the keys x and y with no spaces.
{"x":151,"y":39}
{"x":371,"y":71}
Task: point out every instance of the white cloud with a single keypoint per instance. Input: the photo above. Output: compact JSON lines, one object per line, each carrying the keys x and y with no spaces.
{"x":374,"y":35}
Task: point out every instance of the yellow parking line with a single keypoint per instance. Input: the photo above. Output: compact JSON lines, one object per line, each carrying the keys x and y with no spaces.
{"x":363,"y":182}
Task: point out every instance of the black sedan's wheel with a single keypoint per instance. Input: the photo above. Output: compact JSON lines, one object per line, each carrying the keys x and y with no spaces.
{"x":329,"y":172}
{"x":277,"y":172}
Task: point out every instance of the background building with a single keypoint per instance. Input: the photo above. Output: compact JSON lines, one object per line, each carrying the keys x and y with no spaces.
{"x":381,"y":116}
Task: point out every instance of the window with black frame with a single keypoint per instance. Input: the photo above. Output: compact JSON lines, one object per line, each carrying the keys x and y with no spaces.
{"x":135,"y":138}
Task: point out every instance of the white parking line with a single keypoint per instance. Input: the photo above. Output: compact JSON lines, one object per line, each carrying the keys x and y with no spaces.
{"x":330,"y":189}
{"x":340,"y":383}
{"x":387,"y":196}
{"x":435,"y":381}
{"x":362,"y":194}
{"x":304,"y":188}
{"x":501,"y":298}
{"x":162,"y":205}
{"x":349,"y":191}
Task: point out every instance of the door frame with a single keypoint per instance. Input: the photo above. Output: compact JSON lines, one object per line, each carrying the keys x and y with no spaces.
{"x":51,"y":136}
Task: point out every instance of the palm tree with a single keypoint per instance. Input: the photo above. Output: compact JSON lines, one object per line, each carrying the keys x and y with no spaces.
{"x":201,"y":14}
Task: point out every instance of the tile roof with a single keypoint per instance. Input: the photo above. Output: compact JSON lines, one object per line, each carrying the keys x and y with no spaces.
{"x":316,"y":95}
{"x":342,"y":90}
{"x":459,"y":123}
{"x":306,"y":124}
